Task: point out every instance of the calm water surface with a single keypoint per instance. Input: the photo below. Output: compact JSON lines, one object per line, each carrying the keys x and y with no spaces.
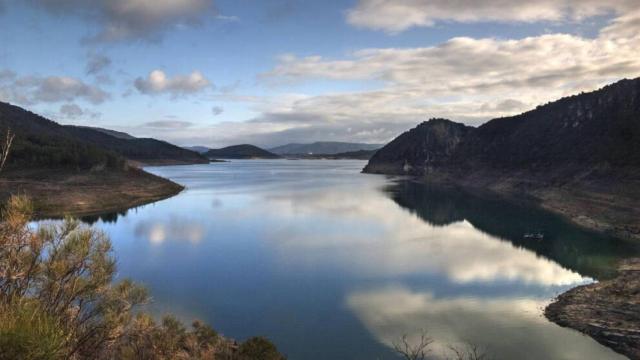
{"x":333,"y":264}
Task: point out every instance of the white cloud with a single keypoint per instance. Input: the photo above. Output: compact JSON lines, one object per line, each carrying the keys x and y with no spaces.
{"x":72,"y":112}
{"x":399,"y":15}
{"x":158,"y":82}
{"x":463,"y":79}
{"x":133,"y":19}
{"x":30,"y":90}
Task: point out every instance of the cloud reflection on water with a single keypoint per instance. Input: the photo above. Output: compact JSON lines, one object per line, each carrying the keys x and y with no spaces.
{"x":508,"y":328}
{"x":372,"y":236}
{"x":174,"y":229}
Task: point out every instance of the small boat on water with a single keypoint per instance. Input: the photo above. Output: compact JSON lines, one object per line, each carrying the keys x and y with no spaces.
{"x":534,"y":235}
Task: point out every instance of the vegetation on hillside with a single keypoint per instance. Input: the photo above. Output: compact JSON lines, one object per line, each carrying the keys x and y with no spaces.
{"x":59,"y":300}
{"x":592,"y":133}
{"x":40,"y":142}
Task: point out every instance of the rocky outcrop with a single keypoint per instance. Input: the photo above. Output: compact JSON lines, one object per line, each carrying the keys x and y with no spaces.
{"x":429,"y":146}
{"x":608,"y":311}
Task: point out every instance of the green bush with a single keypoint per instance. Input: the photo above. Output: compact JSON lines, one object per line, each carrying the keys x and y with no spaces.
{"x":27,"y":332}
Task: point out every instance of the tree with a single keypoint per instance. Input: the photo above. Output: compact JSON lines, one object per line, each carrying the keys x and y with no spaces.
{"x":5,"y":148}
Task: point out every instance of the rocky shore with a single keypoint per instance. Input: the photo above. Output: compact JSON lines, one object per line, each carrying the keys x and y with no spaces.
{"x":608,"y":311}
{"x":57,"y":193}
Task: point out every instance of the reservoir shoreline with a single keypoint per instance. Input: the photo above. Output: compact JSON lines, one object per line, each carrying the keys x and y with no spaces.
{"x":57,"y":193}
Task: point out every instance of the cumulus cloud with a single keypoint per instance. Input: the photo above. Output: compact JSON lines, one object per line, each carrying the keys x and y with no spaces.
{"x":29,"y":90}
{"x":133,"y":19}
{"x":72,"y":111}
{"x":168,"y":124}
{"x":399,"y":15}
{"x":157,"y":82}
{"x":463,"y":79}
{"x":97,"y":63}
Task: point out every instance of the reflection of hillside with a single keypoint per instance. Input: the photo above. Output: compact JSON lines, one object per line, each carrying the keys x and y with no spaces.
{"x":582,"y":251}
{"x":105,"y":218}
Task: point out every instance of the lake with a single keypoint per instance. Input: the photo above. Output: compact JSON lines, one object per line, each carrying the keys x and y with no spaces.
{"x":330,"y":263}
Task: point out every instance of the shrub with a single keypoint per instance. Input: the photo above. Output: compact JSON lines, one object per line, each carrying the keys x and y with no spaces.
{"x":58,"y":300}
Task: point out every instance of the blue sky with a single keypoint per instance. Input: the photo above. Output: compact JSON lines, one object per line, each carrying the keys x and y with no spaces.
{"x":271,"y":72}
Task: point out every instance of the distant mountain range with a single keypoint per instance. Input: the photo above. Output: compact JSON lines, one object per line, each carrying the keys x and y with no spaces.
{"x":44,"y":143}
{"x":244,"y":151}
{"x":570,"y":155}
{"x":349,"y":155}
{"x":322,"y":147}
{"x":198,"y":149}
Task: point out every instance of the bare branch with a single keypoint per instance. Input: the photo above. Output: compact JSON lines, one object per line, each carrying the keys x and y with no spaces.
{"x":5,"y":148}
{"x":468,"y":352}
{"x":417,"y":351}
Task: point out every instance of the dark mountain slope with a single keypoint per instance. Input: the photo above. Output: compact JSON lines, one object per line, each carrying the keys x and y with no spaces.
{"x":244,"y":151}
{"x":42,"y":142}
{"x":118,"y":134}
{"x":597,"y":128}
{"x":144,"y":150}
{"x":579,"y":156}
{"x":429,"y":144}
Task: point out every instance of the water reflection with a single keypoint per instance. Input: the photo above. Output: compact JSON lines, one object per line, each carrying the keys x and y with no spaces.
{"x":508,"y":328}
{"x":369,"y":236}
{"x":582,"y":251}
{"x":333,"y":264}
{"x":176,"y":228}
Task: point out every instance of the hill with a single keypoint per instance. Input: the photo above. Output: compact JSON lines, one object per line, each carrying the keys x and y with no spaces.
{"x":42,"y":142}
{"x":577,"y":156}
{"x":322,"y":147}
{"x":78,"y":171}
{"x":198,"y":149}
{"x":244,"y":151}
{"x":118,"y":134}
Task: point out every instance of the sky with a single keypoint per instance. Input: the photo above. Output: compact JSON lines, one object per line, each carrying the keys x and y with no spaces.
{"x":271,"y":72}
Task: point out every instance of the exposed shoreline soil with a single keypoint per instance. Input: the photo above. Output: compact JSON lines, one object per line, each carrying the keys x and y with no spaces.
{"x":57,"y":193}
{"x":608,"y":311}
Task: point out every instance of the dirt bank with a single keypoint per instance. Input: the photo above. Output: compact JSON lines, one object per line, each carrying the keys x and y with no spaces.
{"x":61,"y":192}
